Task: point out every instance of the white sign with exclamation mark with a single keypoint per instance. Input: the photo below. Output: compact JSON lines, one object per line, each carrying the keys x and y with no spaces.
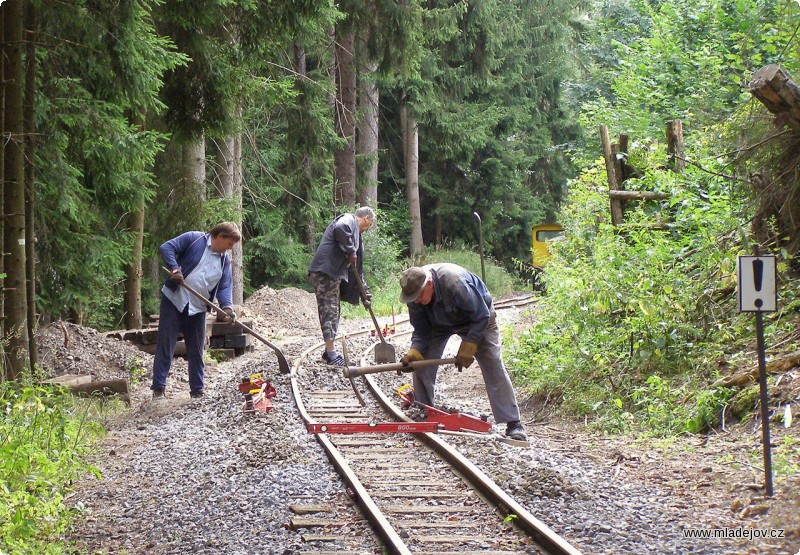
{"x":757,"y":284}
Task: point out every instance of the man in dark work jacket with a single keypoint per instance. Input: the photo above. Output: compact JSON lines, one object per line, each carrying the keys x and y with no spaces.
{"x":445,"y":300}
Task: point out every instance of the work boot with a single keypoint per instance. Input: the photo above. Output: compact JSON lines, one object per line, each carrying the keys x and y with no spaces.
{"x":158,"y":393}
{"x":197,"y":394}
{"x":514,"y":430}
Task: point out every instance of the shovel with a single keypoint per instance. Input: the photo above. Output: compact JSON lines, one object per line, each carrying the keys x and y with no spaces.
{"x":384,"y":352}
{"x":282,"y":364}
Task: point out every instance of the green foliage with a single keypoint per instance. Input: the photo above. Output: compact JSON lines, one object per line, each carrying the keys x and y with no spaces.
{"x":489,"y":105}
{"x":100,"y":70}
{"x":629,"y":313}
{"x":44,"y":442}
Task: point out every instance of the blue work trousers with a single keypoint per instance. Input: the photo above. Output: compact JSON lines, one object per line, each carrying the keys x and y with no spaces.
{"x":171,"y":322}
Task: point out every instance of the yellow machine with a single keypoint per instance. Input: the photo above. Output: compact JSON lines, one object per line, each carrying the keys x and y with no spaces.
{"x":540,"y":234}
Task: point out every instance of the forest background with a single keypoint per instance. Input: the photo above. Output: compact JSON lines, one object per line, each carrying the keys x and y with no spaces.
{"x":129,"y":122}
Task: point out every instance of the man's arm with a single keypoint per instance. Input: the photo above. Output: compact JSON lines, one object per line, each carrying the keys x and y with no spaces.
{"x":344,"y":234}
{"x":225,"y":289}
{"x":421,"y":336}
{"x":170,"y":250}
{"x":471,"y":302}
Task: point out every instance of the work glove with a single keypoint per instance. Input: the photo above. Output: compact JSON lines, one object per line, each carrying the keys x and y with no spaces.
{"x":466,"y":354}
{"x":229,"y":312}
{"x":412,"y":355}
{"x":176,"y":276}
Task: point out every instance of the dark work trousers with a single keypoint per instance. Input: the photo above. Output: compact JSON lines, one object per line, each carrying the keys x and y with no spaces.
{"x":170,"y":324}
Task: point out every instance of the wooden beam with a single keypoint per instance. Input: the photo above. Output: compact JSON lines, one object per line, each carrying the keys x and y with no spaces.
{"x":638,"y":195}
{"x":780,"y":95}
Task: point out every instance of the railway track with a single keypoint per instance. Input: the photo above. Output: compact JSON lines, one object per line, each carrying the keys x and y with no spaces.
{"x":418,"y":492}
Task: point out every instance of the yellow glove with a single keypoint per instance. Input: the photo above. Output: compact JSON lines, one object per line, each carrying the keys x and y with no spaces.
{"x":412,"y":355}
{"x":466,"y":354}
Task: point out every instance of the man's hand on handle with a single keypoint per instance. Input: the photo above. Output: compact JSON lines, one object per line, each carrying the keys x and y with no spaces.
{"x":466,"y":354}
{"x":413,"y":355}
{"x":229,"y":312}
{"x":176,"y":276}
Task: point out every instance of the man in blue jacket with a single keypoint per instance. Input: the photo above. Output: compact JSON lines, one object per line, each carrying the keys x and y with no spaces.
{"x":202,"y":261}
{"x":445,"y":300}
{"x":339,"y":248}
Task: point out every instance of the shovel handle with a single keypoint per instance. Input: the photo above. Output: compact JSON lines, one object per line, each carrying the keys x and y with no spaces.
{"x":283,"y":364}
{"x":369,"y":309}
{"x":411,"y":366}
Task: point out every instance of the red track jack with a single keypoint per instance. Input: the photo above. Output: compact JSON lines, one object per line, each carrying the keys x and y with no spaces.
{"x":257,"y":394}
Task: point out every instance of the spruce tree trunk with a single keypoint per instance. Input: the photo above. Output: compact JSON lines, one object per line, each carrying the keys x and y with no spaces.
{"x":411,"y":153}
{"x":228,"y":183}
{"x":367,"y":146}
{"x":29,"y":115}
{"x":306,"y":175}
{"x":3,"y":63}
{"x":133,"y":271}
{"x":344,"y":158}
{"x":16,"y":306}
{"x":237,"y":258}
{"x":193,"y":170}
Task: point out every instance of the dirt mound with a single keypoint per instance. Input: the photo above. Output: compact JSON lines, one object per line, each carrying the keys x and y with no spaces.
{"x":289,"y":311}
{"x":65,"y":348}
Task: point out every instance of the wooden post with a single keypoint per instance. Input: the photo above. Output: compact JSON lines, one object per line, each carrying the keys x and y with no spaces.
{"x":675,"y":145}
{"x":621,"y":161}
{"x":611,"y":172}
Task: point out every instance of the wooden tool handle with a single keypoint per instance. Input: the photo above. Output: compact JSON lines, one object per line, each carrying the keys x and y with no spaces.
{"x":378,"y":368}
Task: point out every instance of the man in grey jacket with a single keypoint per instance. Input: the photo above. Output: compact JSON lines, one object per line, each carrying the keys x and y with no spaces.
{"x":339,"y":248}
{"x":445,"y":300}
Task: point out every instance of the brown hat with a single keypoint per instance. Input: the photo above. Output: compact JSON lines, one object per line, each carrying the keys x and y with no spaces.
{"x":412,"y":281}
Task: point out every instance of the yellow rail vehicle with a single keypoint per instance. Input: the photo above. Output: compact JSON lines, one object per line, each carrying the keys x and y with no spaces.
{"x":540,"y":235}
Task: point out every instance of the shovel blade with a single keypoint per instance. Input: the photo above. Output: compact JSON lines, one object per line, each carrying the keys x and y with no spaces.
{"x":384,"y":353}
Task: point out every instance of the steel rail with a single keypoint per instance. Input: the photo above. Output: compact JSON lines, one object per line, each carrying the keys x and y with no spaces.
{"x":505,"y":504}
{"x":375,"y":516}
{"x":480,"y":482}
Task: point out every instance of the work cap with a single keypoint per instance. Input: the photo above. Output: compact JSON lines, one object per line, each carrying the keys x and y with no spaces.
{"x":411,"y":282}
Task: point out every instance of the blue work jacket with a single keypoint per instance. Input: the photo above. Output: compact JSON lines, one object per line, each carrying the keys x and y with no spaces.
{"x":185,"y":251}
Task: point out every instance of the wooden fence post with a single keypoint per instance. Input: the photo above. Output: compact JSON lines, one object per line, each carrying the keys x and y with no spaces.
{"x":613,"y":178}
{"x":675,"y":145}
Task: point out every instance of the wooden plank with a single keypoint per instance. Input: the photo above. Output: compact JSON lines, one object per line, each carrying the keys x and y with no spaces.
{"x":70,"y":379}
{"x":323,"y":538}
{"x":462,"y":552}
{"x":301,"y":509}
{"x":301,"y":522}
{"x":405,"y":509}
{"x":438,"y":524}
{"x":450,"y":538}
{"x":420,"y":494}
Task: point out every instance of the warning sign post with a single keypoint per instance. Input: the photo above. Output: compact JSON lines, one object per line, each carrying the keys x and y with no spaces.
{"x":758,"y":293}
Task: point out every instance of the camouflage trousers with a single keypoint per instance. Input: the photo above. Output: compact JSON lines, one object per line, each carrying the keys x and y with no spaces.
{"x":326,"y":290}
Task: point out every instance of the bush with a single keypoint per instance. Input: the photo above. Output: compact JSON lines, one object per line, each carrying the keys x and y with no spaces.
{"x":44,"y":440}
